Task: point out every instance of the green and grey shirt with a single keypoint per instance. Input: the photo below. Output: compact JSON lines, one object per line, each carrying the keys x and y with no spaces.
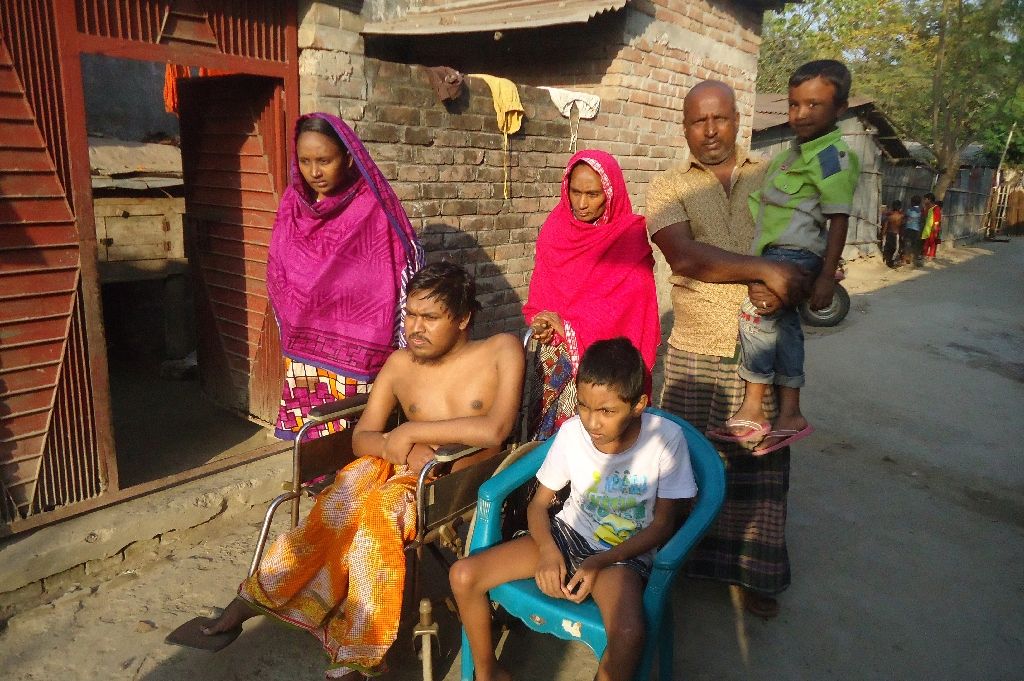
{"x":804,"y":184}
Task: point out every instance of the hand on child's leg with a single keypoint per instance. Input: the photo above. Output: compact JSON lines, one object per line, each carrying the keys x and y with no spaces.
{"x":582,"y":582}
{"x":550,"y":574}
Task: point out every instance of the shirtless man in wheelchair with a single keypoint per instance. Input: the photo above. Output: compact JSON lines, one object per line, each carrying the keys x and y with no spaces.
{"x":340,"y":573}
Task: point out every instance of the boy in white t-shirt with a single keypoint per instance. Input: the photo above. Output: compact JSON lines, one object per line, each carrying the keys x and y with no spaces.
{"x":629,"y":473}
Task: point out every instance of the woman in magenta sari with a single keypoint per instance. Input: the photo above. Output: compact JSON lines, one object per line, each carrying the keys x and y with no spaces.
{"x":593,"y":279}
{"x":341,"y":253}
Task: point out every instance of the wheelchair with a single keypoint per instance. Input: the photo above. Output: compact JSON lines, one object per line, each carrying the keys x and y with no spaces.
{"x":445,"y":500}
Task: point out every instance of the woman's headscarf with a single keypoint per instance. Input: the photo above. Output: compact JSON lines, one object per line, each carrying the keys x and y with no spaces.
{"x":337,"y":268}
{"x":598,"y":277}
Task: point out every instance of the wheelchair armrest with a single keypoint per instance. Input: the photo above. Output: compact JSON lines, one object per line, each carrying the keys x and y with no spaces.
{"x":454,"y":452}
{"x":339,"y":408}
{"x":494,"y":492}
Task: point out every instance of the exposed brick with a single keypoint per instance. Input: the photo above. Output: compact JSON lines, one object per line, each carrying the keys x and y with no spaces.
{"x":431,"y":241}
{"x":490,"y":174}
{"x":469,"y":156}
{"x":493,"y":237}
{"x":407,"y":191}
{"x":440,"y":190}
{"x":400,"y":115}
{"x":486,"y":140}
{"x":490,"y":206}
{"x":436,"y":156}
{"x":379,"y":132}
{"x":417,"y":173}
{"x":459,"y":207}
{"x":525,"y":235}
{"x":478,"y":190}
{"x":525,"y":206}
{"x":434,"y":118}
{"x":424,"y":209}
{"x":508,"y":251}
{"x":446,"y":160}
{"x":457,"y":174}
{"x":389,"y":169}
{"x":418,"y":136}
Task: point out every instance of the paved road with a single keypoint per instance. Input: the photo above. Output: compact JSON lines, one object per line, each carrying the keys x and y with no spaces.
{"x":906,"y":525}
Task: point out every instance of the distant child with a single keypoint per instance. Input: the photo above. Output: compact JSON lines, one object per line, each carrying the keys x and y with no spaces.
{"x":628,"y":473}
{"x":912,"y":231}
{"x":892,"y":234}
{"x":931,"y":234}
{"x":801,"y":212}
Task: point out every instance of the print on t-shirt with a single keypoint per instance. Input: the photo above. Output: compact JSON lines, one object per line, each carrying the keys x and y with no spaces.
{"x":617,"y":505}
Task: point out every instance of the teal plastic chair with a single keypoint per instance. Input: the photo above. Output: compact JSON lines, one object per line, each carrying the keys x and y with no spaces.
{"x":582,"y":622}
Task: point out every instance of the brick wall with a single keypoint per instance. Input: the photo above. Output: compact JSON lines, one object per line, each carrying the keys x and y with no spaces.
{"x":446,"y":161}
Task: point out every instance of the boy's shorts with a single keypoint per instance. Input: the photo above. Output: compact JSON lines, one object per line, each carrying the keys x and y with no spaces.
{"x":575,"y":549}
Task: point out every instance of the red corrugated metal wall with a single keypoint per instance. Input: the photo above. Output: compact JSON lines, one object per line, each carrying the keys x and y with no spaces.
{"x":232,"y":138}
{"x":56,"y":445}
{"x":48,"y":455}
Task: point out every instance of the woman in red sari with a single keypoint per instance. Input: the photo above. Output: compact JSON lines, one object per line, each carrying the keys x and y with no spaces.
{"x":593,"y":279}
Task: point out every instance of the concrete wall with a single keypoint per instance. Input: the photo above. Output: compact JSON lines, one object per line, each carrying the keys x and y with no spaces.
{"x":446,"y":161}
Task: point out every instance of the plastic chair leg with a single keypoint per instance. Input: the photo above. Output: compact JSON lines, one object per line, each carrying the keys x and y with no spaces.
{"x":666,"y":649}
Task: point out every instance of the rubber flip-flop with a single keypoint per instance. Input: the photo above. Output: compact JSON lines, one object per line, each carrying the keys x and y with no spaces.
{"x":788,"y":437}
{"x":760,"y":605}
{"x":190,"y":634}
{"x":755,"y":431}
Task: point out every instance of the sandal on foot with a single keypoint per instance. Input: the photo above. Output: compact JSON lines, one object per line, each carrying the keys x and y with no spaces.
{"x":190,"y":634}
{"x":754,"y":433}
{"x":783,"y":437}
{"x":760,"y":605}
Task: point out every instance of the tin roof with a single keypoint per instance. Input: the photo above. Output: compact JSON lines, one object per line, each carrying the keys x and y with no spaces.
{"x":133,"y":165}
{"x":477,"y":15}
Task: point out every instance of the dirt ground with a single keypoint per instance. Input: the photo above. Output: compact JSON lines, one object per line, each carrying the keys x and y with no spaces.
{"x":906,"y":525}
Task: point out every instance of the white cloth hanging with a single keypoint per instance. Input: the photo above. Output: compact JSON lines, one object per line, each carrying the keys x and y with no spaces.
{"x":574,"y":106}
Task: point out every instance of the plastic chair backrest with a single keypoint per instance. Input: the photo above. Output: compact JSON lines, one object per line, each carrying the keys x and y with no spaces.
{"x":548,"y":615}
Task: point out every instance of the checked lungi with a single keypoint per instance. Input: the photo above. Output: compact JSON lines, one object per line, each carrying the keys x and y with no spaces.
{"x":747,"y":543}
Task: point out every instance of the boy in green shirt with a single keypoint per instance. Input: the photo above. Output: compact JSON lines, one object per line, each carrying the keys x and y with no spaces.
{"x":801,"y":212}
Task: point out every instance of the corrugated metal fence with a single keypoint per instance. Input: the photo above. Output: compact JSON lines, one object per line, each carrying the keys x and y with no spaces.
{"x":866,"y":207}
{"x":964,"y":209}
{"x":965,"y":206}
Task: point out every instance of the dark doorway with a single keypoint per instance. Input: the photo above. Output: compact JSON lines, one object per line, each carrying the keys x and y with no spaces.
{"x":166,"y":238}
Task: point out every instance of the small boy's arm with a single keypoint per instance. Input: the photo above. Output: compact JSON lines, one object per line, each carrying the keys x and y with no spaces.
{"x":825,"y":285}
{"x":550,"y":576}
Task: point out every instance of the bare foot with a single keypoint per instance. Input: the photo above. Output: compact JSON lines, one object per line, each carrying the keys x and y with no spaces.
{"x":237,"y":612}
{"x":760,"y":604}
{"x":739,"y":423}
{"x":794,"y":422}
{"x":498,"y":675}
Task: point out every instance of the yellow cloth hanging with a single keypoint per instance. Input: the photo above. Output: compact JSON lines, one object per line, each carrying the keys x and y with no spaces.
{"x":509,"y":110}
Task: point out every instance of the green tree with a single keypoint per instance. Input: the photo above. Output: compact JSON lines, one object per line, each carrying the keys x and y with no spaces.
{"x":947,"y":72}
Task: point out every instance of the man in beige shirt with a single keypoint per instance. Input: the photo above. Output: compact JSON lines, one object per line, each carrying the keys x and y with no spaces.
{"x":698,"y":216}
